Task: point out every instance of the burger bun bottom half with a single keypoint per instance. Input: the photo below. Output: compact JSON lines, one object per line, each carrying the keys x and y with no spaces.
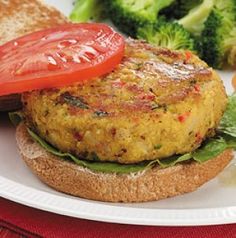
{"x":149,"y":185}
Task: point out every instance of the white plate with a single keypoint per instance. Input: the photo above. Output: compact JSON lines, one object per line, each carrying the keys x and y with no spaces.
{"x":214,"y":203}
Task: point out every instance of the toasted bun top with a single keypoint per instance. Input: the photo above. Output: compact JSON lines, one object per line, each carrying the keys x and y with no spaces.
{"x":20,"y":17}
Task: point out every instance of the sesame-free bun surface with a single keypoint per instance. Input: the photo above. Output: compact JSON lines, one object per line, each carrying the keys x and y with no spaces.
{"x":18,"y":18}
{"x":150,"y":185}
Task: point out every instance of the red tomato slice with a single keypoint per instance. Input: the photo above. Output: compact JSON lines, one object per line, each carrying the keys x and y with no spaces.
{"x":58,"y":57}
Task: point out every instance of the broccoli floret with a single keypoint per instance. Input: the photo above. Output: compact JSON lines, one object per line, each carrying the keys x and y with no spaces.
{"x":180,"y":8}
{"x":128,"y":15}
{"x":87,"y":10}
{"x":169,"y":35}
{"x":219,"y":38}
{"x":196,"y":17}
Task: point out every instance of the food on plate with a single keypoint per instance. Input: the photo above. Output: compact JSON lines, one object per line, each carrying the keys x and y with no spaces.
{"x":152,"y":128}
{"x":21,"y":17}
{"x":153,"y":99}
{"x":118,"y":121}
{"x":208,"y":25}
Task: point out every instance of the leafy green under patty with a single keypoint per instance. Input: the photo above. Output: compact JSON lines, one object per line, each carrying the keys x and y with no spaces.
{"x":225,"y":139}
{"x":228,"y":121}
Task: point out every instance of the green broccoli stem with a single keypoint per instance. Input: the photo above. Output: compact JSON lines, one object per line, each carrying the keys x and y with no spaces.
{"x":194,"y":20}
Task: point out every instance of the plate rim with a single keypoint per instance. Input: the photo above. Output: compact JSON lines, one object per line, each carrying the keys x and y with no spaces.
{"x":84,"y":209}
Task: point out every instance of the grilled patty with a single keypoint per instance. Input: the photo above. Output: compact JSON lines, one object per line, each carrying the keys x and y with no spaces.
{"x":155,"y":104}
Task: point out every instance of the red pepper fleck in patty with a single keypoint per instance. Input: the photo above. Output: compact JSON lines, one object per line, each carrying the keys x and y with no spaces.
{"x":188,"y":55}
{"x":197,"y":88}
{"x":182,"y":118}
{"x":145,"y":96}
{"x":78,"y":136}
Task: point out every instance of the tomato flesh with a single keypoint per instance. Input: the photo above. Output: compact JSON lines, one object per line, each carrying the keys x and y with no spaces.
{"x":58,"y":57}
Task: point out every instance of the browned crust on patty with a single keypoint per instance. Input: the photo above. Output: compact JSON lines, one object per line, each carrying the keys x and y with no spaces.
{"x":20,"y":17}
{"x":150,"y":100}
{"x":150,"y":185}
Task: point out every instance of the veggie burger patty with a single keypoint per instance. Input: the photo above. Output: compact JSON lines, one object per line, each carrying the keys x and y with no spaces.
{"x":155,"y":104}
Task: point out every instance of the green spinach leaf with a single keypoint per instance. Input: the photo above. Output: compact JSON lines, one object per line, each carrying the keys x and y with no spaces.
{"x":211,"y":149}
{"x":228,"y":121}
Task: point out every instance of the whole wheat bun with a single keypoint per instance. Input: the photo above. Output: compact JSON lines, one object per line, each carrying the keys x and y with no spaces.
{"x":18,"y":18}
{"x":149,"y":185}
